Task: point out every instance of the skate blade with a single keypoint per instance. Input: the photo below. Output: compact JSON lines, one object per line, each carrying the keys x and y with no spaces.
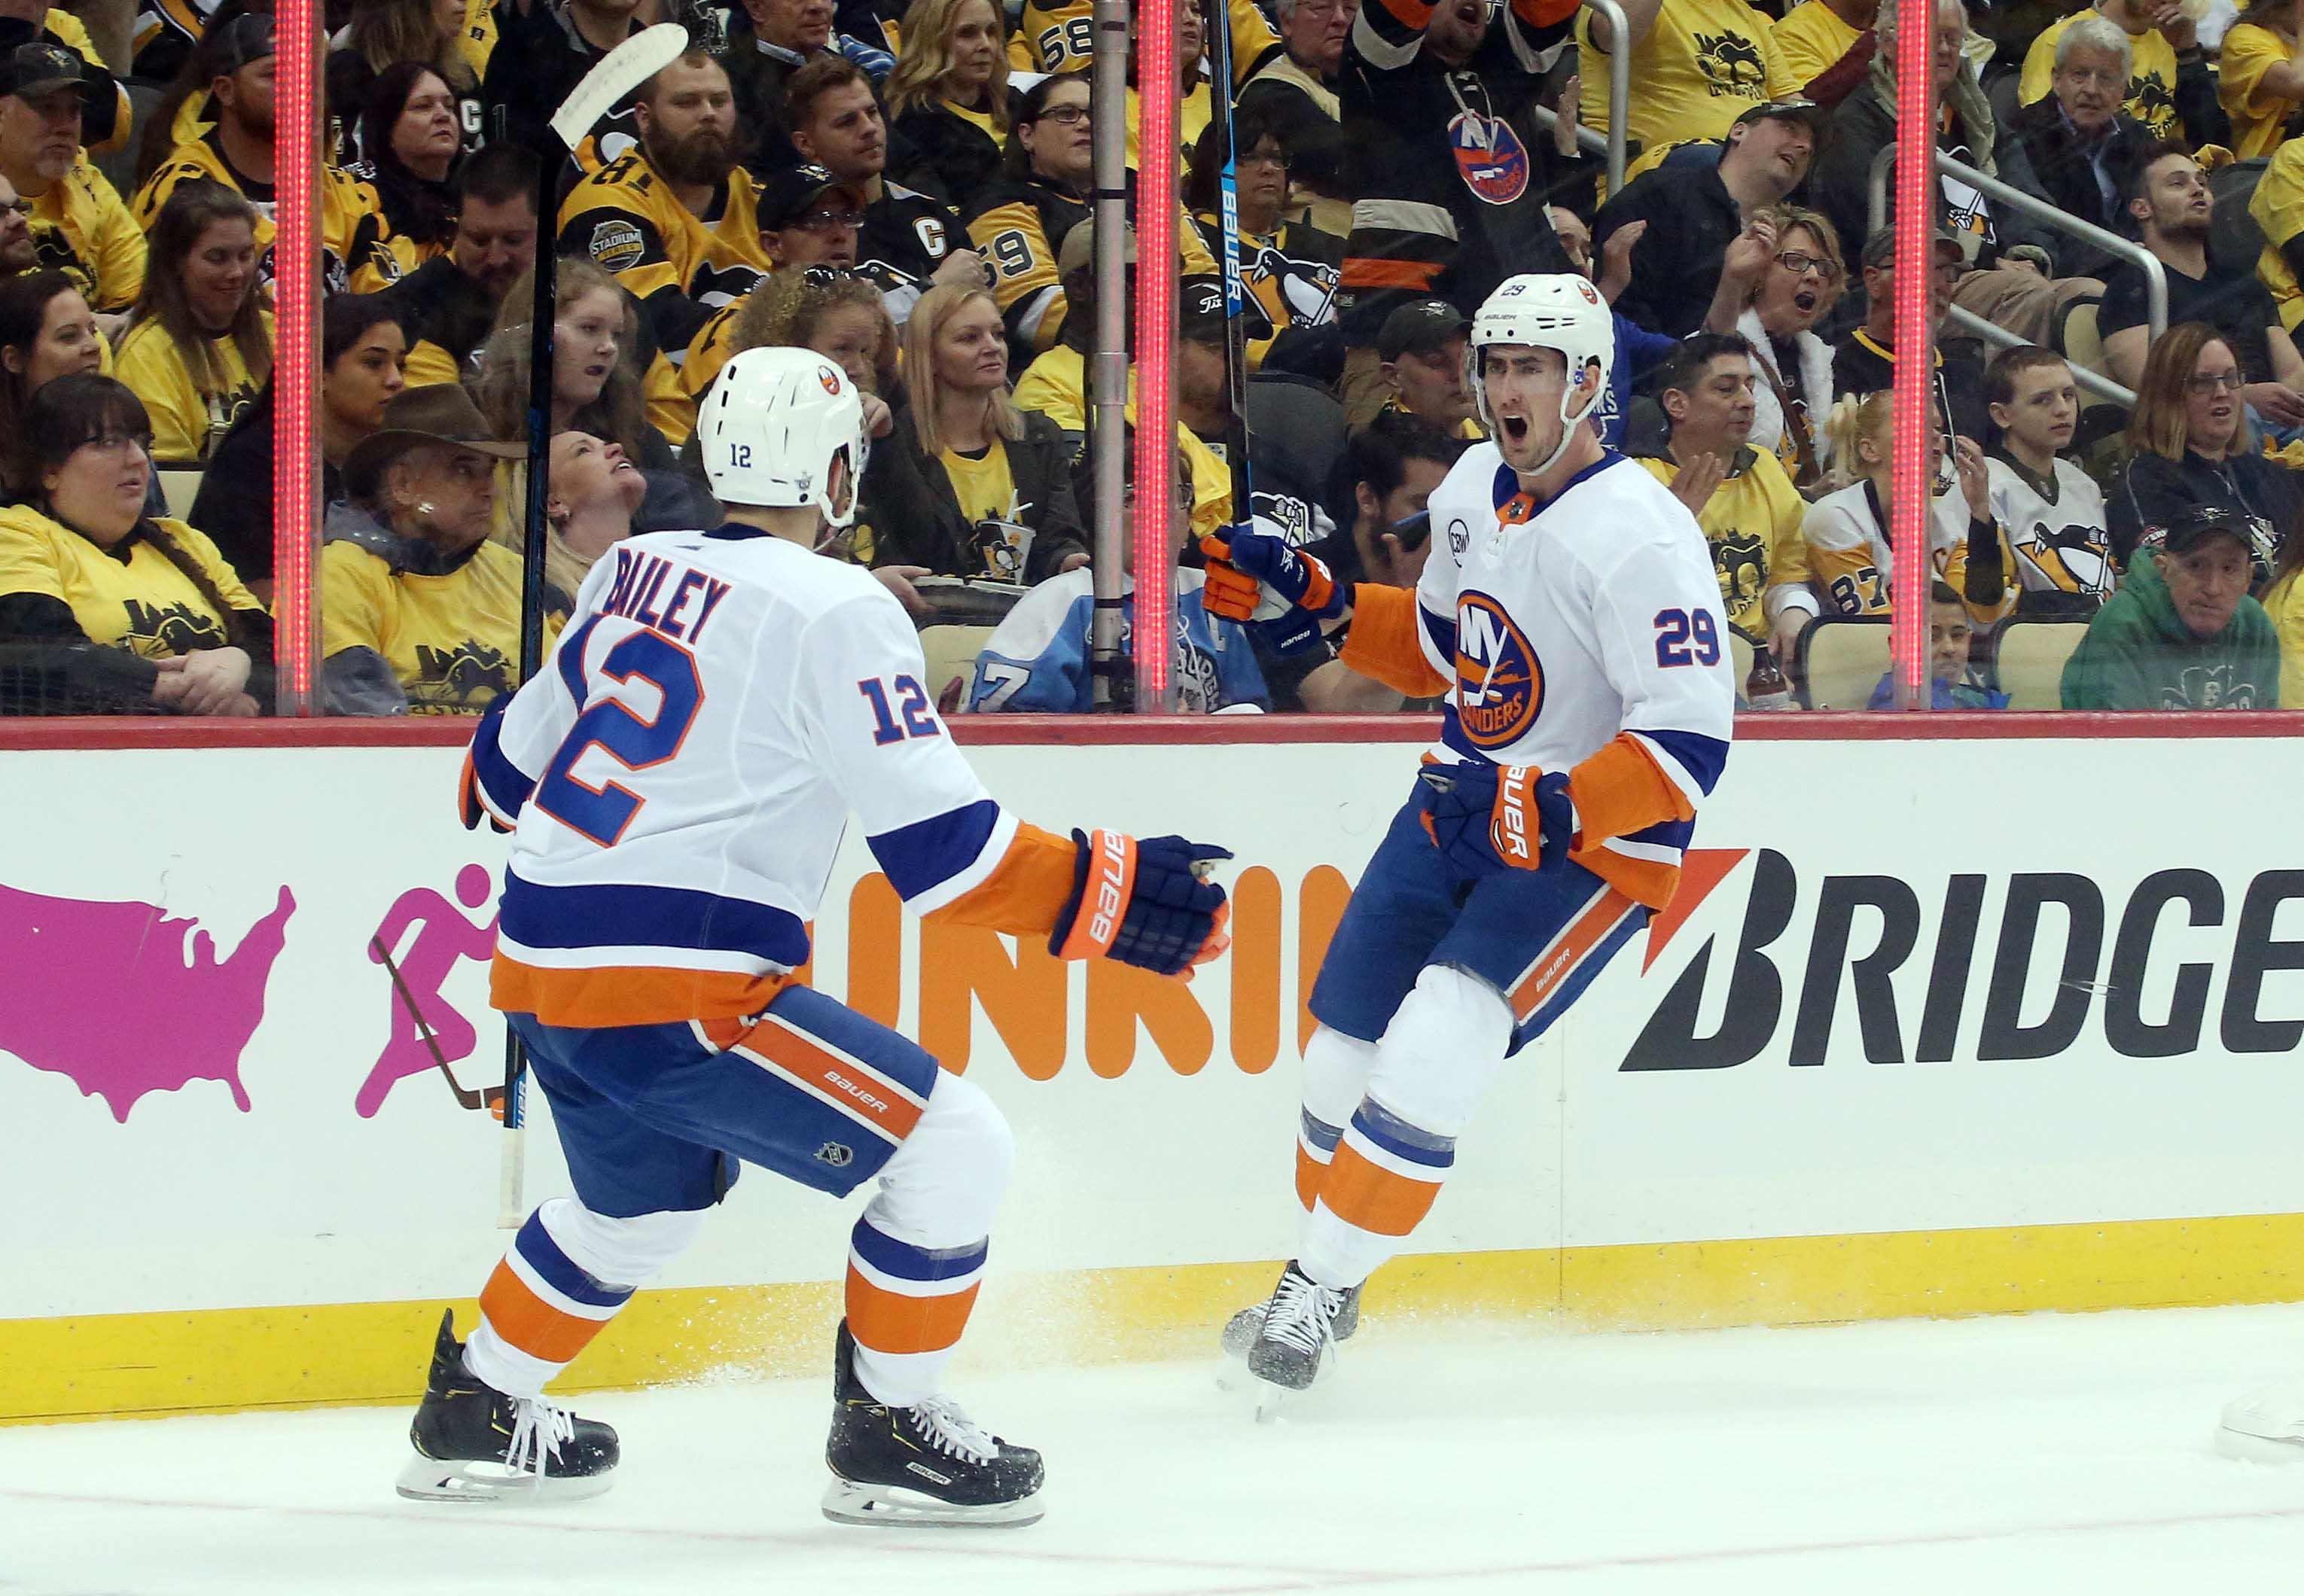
{"x":428,"y":1480}
{"x":894,"y":1506}
{"x":2259,"y":1448}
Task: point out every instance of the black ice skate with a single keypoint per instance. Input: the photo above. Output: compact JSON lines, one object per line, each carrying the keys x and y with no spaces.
{"x":1241,"y":1329}
{"x":476,"y":1444}
{"x":1297,"y":1335}
{"x":926,"y":1464}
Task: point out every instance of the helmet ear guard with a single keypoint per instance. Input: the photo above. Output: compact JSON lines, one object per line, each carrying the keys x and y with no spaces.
{"x":1556,"y":311}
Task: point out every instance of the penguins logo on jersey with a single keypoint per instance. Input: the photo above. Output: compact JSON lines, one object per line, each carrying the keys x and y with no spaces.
{"x":1489,"y":156}
{"x":1731,"y":63}
{"x":1499,"y":685}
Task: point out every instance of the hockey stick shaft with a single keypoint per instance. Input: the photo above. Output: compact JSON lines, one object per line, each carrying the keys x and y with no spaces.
{"x":464,"y":1099}
{"x":1218,"y":26}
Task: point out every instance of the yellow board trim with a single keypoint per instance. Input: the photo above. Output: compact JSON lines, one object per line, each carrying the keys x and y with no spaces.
{"x":117,"y":1366}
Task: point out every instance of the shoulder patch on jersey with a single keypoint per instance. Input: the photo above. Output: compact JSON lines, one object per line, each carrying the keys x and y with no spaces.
{"x":616,"y":245}
{"x":1499,"y":682}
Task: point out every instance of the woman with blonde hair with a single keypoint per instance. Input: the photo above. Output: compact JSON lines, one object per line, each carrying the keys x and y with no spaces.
{"x":967,"y":484}
{"x":2191,"y":450}
{"x":1792,"y":394}
{"x":949,"y":99}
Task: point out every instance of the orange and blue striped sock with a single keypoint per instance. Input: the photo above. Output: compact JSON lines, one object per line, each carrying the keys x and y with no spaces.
{"x":1379,"y":1185}
{"x":538,"y":1309}
{"x":907,"y":1306}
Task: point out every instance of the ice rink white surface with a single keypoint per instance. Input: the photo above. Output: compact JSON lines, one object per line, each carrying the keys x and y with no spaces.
{"x":2039,"y":1453}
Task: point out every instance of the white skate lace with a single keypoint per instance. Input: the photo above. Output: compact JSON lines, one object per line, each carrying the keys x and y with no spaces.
{"x":537,"y":1429}
{"x":1302,"y":1312}
{"x":945,"y":1427}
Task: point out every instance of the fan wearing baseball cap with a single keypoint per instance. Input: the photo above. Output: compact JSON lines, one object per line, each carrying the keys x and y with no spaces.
{"x":1421,"y":348}
{"x":2182,"y":632}
{"x":79,"y":226}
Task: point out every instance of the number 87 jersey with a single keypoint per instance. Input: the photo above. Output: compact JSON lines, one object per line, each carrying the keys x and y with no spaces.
{"x":679,"y":775}
{"x":1584,"y":635}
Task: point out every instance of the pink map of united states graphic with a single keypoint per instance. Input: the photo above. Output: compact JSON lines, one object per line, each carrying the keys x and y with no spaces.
{"x":123,"y":999}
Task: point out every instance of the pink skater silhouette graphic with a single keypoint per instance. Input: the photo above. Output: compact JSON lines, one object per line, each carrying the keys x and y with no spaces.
{"x":443,"y":935}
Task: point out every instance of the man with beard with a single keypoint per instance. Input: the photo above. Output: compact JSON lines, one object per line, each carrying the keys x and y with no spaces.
{"x":236,"y":149}
{"x":906,"y":244}
{"x":1449,"y":175}
{"x":16,"y":253}
{"x":448,"y":304}
{"x":674,"y":221}
{"x":79,"y":226}
{"x":2169,"y":201}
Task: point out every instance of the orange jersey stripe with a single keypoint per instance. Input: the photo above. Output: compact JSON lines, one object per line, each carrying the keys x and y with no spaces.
{"x":529,"y":1323}
{"x":1368,"y":271}
{"x":627,"y":995}
{"x":1373,"y":1197}
{"x":1383,"y":644}
{"x":1590,"y":928}
{"x":889,"y":1321}
{"x":1621,"y":789}
{"x":1025,"y":890}
{"x":856,"y":1087}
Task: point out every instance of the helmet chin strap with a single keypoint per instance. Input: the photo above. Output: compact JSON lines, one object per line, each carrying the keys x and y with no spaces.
{"x":1568,"y":425}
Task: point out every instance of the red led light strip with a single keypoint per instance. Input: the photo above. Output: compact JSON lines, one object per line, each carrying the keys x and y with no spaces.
{"x":1915,"y":229}
{"x":1157,"y":97}
{"x":295,"y":384}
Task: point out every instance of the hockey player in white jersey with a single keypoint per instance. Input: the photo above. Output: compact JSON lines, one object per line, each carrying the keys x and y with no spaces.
{"x":1571,"y":614}
{"x":677,"y":779}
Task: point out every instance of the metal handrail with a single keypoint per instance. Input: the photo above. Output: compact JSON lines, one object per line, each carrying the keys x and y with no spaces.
{"x":2000,"y":337}
{"x":1620,"y":86}
{"x":2156,"y":276}
{"x":1586,"y":139}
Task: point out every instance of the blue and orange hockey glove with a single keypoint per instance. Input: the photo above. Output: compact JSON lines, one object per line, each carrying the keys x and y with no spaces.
{"x":1487,"y":817}
{"x":1256,"y":577}
{"x":1148,"y":903}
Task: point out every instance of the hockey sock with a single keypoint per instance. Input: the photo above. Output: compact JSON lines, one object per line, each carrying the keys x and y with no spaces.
{"x":916,"y":1254}
{"x":1336,"y":1069}
{"x":561,"y":1281}
{"x":1379,"y":1188}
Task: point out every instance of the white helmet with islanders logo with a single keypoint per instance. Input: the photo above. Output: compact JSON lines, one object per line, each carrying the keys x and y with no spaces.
{"x":1544,"y":311}
{"x":776,"y":421}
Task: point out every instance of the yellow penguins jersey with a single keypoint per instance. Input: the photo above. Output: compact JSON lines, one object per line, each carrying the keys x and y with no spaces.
{"x":1291,"y":277}
{"x":1056,"y":386}
{"x":2277,"y":207}
{"x":1581,"y":635}
{"x":1018,"y":227}
{"x":667,"y":871}
{"x":141,"y":601}
{"x":477,"y":41}
{"x":452,"y":639}
{"x":2057,"y":530}
{"x":2151,"y":83}
{"x":1853,"y":565}
{"x":1702,"y":65}
{"x":82,"y":228}
{"x":1192,"y":122}
{"x":189,"y":413}
{"x":1062,"y":38}
{"x":355,"y":253}
{"x":164,"y":31}
{"x":680,"y":267}
{"x":1811,"y":37}
{"x":343,"y":235}
{"x":1752,"y":525}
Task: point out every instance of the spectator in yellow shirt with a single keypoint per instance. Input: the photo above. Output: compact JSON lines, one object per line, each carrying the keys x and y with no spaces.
{"x":199,"y":346}
{"x":2261,"y":77}
{"x":1827,"y":45}
{"x":2170,"y":89}
{"x":80,"y":226}
{"x":1697,"y":66}
{"x":236,"y":149}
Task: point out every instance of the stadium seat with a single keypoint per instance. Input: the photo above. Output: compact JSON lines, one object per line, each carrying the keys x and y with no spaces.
{"x":2075,"y":339}
{"x":951,"y":652}
{"x":2234,"y":234}
{"x":2029,"y":660}
{"x":1842,"y":659}
{"x":1739,"y":656}
{"x":179,"y":487}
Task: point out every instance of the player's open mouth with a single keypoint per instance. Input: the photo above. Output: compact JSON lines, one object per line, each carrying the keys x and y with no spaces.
{"x":1515,"y":427}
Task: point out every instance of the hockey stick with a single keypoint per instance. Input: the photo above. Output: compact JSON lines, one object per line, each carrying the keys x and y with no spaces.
{"x":464,"y":1099}
{"x":615,"y":75}
{"x":1219,"y":28}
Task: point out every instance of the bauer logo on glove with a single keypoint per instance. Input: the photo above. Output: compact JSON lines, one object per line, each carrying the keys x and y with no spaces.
{"x":1147,"y":903}
{"x":1489,"y":817}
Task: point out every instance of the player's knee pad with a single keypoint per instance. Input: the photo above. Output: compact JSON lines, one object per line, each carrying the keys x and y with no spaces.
{"x":942,"y":1186}
{"x":619,"y":1252}
{"x":1441,"y":1050}
{"x":1336,"y":1070}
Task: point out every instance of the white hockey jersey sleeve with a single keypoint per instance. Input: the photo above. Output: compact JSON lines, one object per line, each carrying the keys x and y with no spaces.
{"x":520,"y":730}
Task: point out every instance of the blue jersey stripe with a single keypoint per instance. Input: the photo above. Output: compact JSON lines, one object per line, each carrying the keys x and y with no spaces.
{"x":1403,"y":1140}
{"x":560,"y":1271}
{"x":906,"y":1262}
{"x":624,"y":916}
{"x":1664,"y":834}
{"x":929,"y":852}
{"x":1702,"y":757}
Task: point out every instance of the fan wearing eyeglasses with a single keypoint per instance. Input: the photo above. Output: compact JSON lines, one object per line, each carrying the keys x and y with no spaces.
{"x":1292,"y":270}
{"x":1294,"y":89}
{"x":80,"y":224}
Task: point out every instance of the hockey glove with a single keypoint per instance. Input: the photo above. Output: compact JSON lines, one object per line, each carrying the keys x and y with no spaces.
{"x":1488,"y":817}
{"x":1146,"y":903}
{"x":1259,"y":579}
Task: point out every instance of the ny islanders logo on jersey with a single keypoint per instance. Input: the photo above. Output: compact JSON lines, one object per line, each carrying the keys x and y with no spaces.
{"x":1499,"y":685}
{"x":1489,"y":156}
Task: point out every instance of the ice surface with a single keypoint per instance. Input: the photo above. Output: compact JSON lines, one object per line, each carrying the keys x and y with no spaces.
{"x":2041,"y":1454}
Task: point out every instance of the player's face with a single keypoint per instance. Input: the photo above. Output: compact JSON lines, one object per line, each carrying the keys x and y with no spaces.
{"x":2212,"y":400}
{"x":1798,"y":288}
{"x":1948,"y":635}
{"x":424,"y":138}
{"x":219,"y":273}
{"x":587,"y":337}
{"x":2206,"y":582}
{"x":971,"y":347}
{"x":42,"y":133}
{"x":1059,"y":139}
{"x":588,"y":474}
{"x":361,"y":383}
{"x":848,"y":335}
{"x":976,"y":43}
{"x":1718,"y":406}
{"x":1524,"y":390}
{"x":846,"y":133}
{"x":2045,"y":407}
{"x":1430,"y":383}
{"x":495,"y":243}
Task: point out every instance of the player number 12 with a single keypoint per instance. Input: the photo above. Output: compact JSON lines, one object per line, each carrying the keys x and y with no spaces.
{"x":911,"y":718}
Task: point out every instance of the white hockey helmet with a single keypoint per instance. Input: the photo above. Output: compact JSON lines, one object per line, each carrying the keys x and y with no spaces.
{"x":1556,"y":310}
{"x":776,"y":421}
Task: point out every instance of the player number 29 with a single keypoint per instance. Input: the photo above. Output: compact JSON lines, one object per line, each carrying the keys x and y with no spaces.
{"x":1686,"y":639}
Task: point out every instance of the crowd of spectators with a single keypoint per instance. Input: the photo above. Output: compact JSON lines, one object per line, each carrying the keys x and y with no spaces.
{"x":906,"y":189}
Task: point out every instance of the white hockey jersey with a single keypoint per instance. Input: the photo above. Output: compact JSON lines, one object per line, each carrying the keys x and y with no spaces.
{"x":680,"y":773}
{"x":1852,"y":562}
{"x":2060,"y":539}
{"x":1584,"y":635}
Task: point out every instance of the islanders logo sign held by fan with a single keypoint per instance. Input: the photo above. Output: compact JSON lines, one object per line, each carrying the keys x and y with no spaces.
{"x":1489,"y":156}
{"x":1499,"y":684}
